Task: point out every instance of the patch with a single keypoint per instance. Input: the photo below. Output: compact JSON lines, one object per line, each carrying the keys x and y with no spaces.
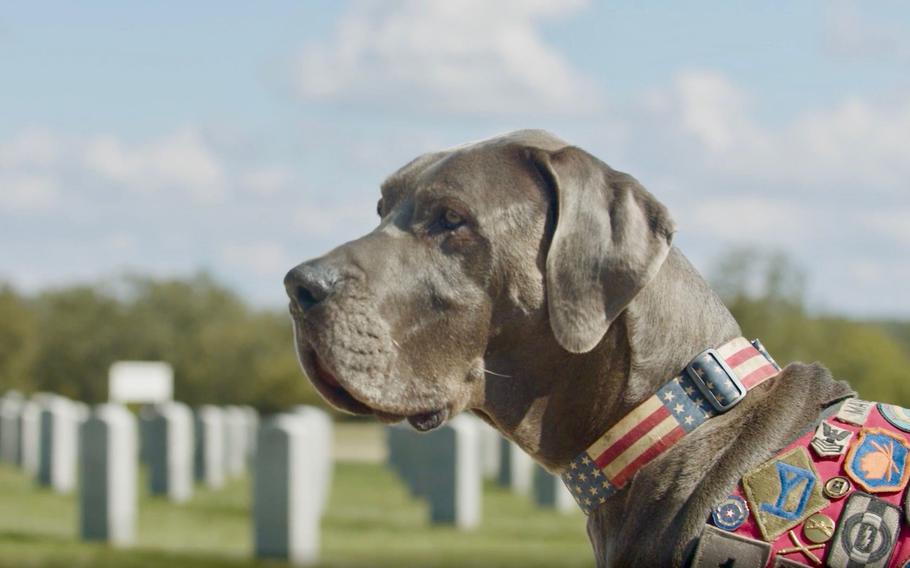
{"x":878,"y":461}
{"x":907,"y":509}
{"x":731,"y":513}
{"x":829,"y":440}
{"x":837,"y":487}
{"x":784,"y":491}
{"x":818,"y":528}
{"x":781,"y":562}
{"x":802,"y":548}
{"x":854,"y":411}
{"x":866,"y":535}
{"x":898,"y":417}
{"x":718,"y":547}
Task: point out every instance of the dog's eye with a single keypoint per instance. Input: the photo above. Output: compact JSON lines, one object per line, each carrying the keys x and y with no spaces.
{"x":451,"y":220}
{"x":379,"y":208}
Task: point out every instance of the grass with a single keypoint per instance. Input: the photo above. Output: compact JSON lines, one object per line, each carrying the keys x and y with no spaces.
{"x":371,"y":521}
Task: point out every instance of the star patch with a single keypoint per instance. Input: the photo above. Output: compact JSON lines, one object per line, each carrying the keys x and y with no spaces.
{"x":854,"y":411}
{"x":866,"y":534}
{"x":718,"y":547}
{"x":731,"y":513}
{"x":897,"y":416}
{"x":879,"y":462}
{"x":784,"y":491}
{"x":829,"y":440}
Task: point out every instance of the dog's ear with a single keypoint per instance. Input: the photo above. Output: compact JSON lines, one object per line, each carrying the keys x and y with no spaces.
{"x":611,"y":238}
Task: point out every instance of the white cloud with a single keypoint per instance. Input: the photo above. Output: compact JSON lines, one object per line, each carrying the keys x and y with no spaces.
{"x":266,"y":180}
{"x":856,"y":143}
{"x":749,"y":218}
{"x":29,"y":148}
{"x":852,"y":33}
{"x":181,"y":160}
{"x":467,"y":56}
{"x":26,"y":193}
{"x":348,"y":219}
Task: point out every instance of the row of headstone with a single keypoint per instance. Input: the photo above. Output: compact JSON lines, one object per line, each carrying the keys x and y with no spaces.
{"x":444,"y":467}
{"x":291,"y":485}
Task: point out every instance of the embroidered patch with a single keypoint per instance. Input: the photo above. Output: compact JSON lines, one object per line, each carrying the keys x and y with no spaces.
{"x":854,"y":411}
{"x":907,"y":508}
{"x":829,"y":440}
{"x":837,"y":487}
{"x":731,"y":513}
{"x":718,"y":547}
{"x":897,"y":416}
{"x":784,"y":491}
{"x":866,"y":533}
{"x":802,"y":548}
{"x":878,"y":462}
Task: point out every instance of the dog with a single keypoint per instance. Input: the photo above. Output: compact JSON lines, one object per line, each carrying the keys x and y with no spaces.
{"x":522,"y":279}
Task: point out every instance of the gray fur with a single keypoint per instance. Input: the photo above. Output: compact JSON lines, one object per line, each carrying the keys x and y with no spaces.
{"x":553,"y":311}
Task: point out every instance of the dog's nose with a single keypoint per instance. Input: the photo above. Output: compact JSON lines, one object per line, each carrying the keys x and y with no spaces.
{"x":310,"y":283}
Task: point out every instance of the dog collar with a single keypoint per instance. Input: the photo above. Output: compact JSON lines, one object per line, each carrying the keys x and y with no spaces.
{"x":713,"y":383}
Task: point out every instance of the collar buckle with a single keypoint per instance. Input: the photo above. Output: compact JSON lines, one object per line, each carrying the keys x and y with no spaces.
{"x":716,"y":380}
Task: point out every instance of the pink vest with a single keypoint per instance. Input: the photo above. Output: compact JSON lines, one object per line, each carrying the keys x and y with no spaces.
{"x":837,"y":496}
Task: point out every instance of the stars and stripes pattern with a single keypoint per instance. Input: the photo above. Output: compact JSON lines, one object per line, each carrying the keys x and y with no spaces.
{"x":661,"y":421}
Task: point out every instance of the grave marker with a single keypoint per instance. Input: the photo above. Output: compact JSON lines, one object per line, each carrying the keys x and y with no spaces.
{"x":170,"y":451}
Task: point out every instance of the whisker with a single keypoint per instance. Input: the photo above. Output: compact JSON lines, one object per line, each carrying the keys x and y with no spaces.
{"x":396,"y":344}
{"x":487,"y":371}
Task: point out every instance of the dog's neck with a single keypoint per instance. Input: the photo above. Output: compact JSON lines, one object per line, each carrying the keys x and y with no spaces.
{"x":538,"y":406}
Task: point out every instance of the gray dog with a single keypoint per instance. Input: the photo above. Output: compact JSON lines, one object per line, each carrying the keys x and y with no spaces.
{"x":526,"y":281}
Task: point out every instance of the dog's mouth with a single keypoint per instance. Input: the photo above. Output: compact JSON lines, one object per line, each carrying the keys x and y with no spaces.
{"x":328,"y":385}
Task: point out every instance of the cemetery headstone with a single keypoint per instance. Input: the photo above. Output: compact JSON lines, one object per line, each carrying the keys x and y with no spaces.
{"x":170,"y":451}
{"x":515,"y":468}
{"x":10,"y":437}
{"x":551,"y":492}
{"x":236,"y":442}
{"x":209,"y":454}
{"x":108,"y":476}
{"x":30,"y":436}
{"x":286,"y":501}
{"x":57,"y":444}
{"x":321,"y":452}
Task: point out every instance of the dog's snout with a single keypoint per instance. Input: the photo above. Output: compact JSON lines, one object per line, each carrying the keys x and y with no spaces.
{"x":310,"y":283}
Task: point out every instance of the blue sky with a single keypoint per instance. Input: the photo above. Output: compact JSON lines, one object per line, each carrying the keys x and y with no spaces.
{"x":241,"y":138}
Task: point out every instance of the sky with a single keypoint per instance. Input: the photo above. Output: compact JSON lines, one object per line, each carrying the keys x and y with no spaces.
{"x":242,"y":138}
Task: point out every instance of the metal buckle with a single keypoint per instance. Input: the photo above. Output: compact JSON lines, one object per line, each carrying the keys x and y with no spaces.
{"x":716,"y":380}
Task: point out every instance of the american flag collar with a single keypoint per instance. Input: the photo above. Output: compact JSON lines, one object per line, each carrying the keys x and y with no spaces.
{"x":713,"y":383}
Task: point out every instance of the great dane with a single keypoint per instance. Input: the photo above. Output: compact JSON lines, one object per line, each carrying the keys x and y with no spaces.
{"x":524,"y":280}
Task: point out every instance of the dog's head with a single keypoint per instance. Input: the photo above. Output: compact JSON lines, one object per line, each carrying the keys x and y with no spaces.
{"x":475,"y":246}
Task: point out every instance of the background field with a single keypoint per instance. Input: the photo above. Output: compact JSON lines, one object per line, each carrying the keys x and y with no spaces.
{"x":371,"y":521}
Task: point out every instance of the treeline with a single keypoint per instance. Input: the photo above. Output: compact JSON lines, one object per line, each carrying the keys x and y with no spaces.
{"x":222,"y":351}
{"x":225,"y":352}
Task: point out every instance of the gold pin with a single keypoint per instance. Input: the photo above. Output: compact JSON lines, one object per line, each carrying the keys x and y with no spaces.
{"x":800,"y":547}
{"x":819,"y":528}
{"x":837,"y":487}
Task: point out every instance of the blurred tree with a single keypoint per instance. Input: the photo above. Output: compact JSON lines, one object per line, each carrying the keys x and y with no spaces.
{"x":18,"y":340}
{"x":765,"y":292}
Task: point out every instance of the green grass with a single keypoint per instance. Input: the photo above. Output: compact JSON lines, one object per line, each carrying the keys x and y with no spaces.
{"x":371,"y":521}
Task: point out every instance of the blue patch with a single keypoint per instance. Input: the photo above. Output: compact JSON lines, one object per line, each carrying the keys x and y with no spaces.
{"x":897,"y":416}
{"x":792,"y":479}
{"x":879,"y":460}
{"x":731,"y":513}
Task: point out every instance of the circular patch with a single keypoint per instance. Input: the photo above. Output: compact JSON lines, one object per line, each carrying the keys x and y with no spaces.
{"x":866,"y":538}
{"x":731,"y":513}
{"x":837,"y":487}
{"x":819,"y":528}
{"x":897,"y":416}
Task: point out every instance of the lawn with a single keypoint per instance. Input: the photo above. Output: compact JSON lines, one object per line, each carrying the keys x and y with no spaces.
{"x":371,"y":521}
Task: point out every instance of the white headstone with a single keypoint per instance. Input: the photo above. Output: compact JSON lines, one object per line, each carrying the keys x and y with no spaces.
{"x":209,"y":454}
{"x":109,"y":464}
{"x":516,"y":468}
{"x":489,"y":451}
{"x":551,"y":492}
{"x":236,"y":442}
{"x":30,"y":436}
{"x":58,"y":444}
{"x":251,"y":420}
{"x":147,"y":382}
{"x":10,"y":436}
{"x":170,"y":451}
{"x":321,"y":422}
{"x":286,"y":501}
